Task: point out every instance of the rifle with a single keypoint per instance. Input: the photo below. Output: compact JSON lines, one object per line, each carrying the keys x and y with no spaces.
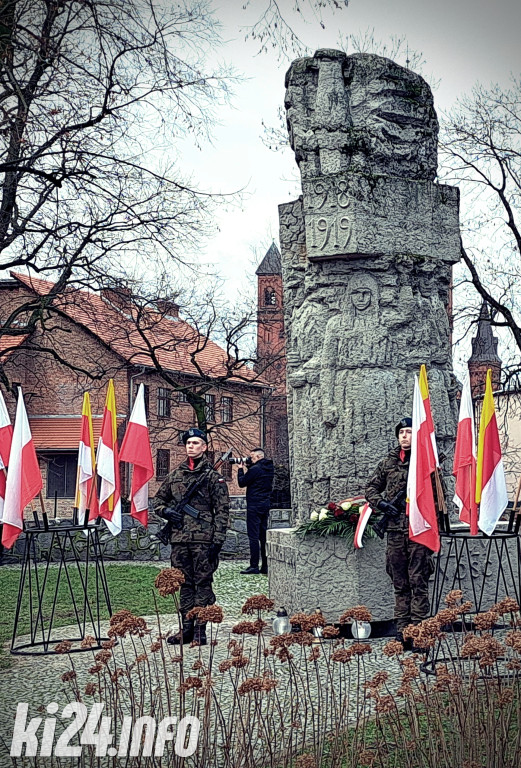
{"x":380,"y":527}
{"x":173,"y":514}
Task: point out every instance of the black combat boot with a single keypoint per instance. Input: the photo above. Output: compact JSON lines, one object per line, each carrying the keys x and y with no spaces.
{"x":186,"y":634}
{"x":407,"y":644}
{"x":200,"y":634}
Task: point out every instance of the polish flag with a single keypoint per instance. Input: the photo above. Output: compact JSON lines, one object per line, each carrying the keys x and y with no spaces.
{"x":135,"y":449}
{"x":423,"y":521}
{"x":86,"y":492}
{"x":24,"y":480}
{"x":6,"y":434}
{"x":107,"y":461}
{"x":464,"y":469}
{"x":424,"y":389}
{"x":365,"y":514}
{"x":491,"y":487}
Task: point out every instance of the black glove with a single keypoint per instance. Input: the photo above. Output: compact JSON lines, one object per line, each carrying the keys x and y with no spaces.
{"x":172,"y":514}
{"x":387,"y":508}
{"x":213,"y":550}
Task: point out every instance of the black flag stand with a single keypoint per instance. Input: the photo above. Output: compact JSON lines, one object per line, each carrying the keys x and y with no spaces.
{"x":78,"y":572}
{"x":485,"y":574}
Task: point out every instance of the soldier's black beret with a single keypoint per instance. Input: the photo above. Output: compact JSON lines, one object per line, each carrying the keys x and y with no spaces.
{"x":194,"y":432}
{"x":403,"y":424}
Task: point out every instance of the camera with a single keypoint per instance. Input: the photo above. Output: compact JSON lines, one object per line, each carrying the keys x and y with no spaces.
{"x":241,"y":460}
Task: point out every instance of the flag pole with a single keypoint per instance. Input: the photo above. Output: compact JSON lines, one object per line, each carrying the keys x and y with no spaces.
{"x":93,"y":485}
{"x":516,"y":498}
{"x":514,"y":512}
{"x":441,"y":503}
{"x":44,"y":513}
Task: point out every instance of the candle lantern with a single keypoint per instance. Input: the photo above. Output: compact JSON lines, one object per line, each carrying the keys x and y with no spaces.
{"x":281,"y":623}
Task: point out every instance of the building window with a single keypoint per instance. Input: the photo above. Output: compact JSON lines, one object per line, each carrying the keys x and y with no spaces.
{"x":164,"y":402}
{"x":61,"y":475}
{"x":147,"y":396}
{"x":226,"y":409}
{"x":210,"y":408}
{"x":181,"y":397}
{"x":226,"y":470}
{"x":162,"y":463}
{"x":270,"y":297}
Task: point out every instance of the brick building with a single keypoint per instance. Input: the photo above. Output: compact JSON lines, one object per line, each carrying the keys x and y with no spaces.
{"x":107,"y":336}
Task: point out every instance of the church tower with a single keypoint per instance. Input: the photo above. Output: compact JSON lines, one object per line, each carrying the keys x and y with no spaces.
{"x":484,"y":356}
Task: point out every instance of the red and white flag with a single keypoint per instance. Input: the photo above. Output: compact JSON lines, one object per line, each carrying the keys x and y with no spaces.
{"x":6,"y":434}
{"x":135,"y":449}
{"x":464,"y":468}
{"x":24,"y":479}
{"x":423,"y":520}
{"x":107,"y":461}
{"x":424,"y":390}
{"x":365,"y":514}
{"x":491,"y":487}
{"x":86,"y":492}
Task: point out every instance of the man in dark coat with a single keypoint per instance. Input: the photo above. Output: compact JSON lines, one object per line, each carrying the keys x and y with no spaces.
{"x":258,"y":481}
{"x":408,"y":563}
{"x":196,"y":543}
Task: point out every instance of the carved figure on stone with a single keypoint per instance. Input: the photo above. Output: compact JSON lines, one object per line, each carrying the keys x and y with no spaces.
{"x":307,"y":333}
{"x":354,"y":340}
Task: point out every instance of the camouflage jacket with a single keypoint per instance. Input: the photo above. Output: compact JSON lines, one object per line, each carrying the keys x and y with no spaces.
{"x":389,"y":478}
{"x":212,"y":501}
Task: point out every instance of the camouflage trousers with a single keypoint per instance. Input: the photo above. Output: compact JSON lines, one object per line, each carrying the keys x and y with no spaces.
{"x":192,"y":559}
{"x":410,"y":566}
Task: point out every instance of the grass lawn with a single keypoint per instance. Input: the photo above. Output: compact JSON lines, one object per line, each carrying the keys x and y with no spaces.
{"x":130,"y":586}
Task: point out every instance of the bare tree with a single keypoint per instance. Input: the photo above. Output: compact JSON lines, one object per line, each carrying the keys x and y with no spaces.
{"x":274,"y":27}
{"x":200,"y":345}
{"x":481,"y":152}
{"x":94,"y":94}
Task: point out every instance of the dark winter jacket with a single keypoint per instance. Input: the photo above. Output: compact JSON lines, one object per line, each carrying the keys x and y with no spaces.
{"x":258,"y":481}
{"x":388,"y":480}
{"x":212,"y":502}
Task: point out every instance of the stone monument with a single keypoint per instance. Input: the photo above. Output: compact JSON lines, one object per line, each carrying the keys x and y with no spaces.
{"x":367,"y":255}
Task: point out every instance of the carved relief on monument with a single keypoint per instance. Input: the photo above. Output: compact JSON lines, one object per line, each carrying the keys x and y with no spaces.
{"x":360,"y":113}
{"x":364,"y":132}
{"x":353,"y":215}
{"x":366,"y":258}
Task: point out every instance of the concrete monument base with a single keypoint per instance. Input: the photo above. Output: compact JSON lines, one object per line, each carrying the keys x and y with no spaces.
{"x":328,"y":573}
{"x":306,"y":573}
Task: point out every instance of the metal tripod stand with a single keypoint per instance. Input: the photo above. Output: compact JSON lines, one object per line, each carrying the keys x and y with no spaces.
{"x":79,"y":573}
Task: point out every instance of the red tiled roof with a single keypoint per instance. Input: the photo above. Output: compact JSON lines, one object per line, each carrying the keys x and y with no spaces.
{"x":9,"y":343}
{"x":60,"y":432}
{"x":173,"y":341}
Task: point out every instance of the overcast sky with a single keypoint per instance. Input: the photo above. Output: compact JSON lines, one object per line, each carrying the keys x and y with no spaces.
{"x":463,"y":42}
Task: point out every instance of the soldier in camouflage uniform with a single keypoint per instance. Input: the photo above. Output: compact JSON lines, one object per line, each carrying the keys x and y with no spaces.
{"x":196,"y":543}
{"x":408,"y":563}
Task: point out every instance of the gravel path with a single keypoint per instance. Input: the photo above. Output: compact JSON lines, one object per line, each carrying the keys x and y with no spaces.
{"x":37,"y":680}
